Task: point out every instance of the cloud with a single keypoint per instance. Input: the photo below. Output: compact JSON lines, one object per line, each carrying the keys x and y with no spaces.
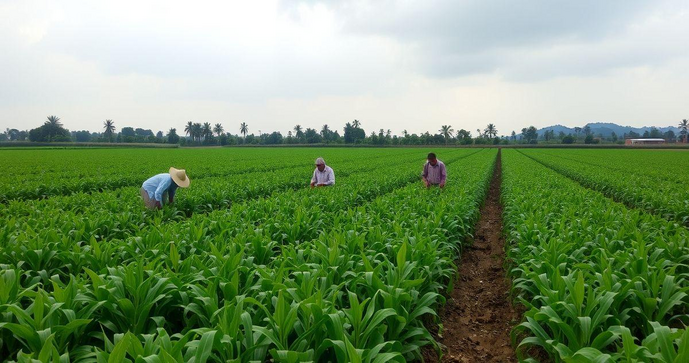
{"x":515,"y":39}
{"x":392,"y":64}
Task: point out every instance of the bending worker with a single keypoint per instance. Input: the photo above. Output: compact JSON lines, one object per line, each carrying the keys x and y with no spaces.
{"x":156,"y":189}
{"x":323,"y":176}
{"x":434,"y":172}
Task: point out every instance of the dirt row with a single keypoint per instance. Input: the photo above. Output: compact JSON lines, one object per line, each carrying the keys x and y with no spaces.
{"x":478,"y":316}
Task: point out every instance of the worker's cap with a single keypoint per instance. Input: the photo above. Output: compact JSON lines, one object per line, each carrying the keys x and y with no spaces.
{"x":320,"y":161}
{"x":179,"y":176}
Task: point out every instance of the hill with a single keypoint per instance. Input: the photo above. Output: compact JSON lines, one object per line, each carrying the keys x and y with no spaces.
{"x":606,"y":129}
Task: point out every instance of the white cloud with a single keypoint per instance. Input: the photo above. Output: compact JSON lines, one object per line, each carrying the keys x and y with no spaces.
{"x":392,"y":64}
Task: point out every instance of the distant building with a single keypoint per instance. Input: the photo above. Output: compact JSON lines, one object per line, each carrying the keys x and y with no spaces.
{"x":633,"y":142}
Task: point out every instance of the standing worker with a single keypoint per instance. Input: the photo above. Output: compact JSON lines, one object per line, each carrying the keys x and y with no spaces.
{"x":434,"y":172}
{"x":323,"y":176}
{"x":155,"y":190}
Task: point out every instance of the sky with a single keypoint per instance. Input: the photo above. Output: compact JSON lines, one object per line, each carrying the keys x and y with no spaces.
{"x":398,"y":65}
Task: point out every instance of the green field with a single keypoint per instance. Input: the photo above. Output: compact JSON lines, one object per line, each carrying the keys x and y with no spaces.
{"x":250,"y":264}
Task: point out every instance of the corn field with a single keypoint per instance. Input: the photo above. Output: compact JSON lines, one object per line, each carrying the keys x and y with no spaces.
{"x":251,"y":265}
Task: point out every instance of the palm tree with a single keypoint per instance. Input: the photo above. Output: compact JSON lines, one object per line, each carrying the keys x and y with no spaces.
{"x":109,"y":127}
{"x":53,"y":121}
{"x":297,"y":130}
{"x":54,"y":127}
{"x":405,"y":133}
{"x":683,"y":127}
{"x":356,"y":124}
{"x":480,"y":134}
{"x":207,"y":131}
{"x":197,"y":131}
{"x":244,"y":129}
{"x":447,"y":131}
{"x":325,"y":131}
{"x":189,"y":129}
{"x":491,"y":131}
{"x":218,"y":129}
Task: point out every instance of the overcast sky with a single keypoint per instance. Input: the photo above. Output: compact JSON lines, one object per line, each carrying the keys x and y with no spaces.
{"x":413,"y":65}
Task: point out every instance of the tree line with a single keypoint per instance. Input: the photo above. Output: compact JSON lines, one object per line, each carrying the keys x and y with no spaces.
{"x":197,"y":134}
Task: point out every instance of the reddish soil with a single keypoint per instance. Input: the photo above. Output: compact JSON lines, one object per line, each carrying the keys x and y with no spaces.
{"x":479,"y":316}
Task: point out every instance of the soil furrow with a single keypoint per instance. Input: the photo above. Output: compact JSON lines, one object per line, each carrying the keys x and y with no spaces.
{"x":479,"y":316}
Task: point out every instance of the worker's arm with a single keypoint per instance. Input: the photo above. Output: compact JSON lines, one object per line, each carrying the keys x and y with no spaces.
{"x":162,"y":187}
{"x":313,"y":179}
{"x":443,"y":175}
{"x":424,"y":175}
{"x":171,"y":194}
{"x":331,"y":178}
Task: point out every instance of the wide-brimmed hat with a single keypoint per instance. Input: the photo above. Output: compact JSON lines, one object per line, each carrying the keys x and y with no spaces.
{"x":180,"y":177}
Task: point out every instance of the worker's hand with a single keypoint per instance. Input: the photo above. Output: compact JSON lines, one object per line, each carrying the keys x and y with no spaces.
{"x":159,"y":205}
{"x":321,"y":185}
{"x":313,"y":185}
{"x":442,"y":185}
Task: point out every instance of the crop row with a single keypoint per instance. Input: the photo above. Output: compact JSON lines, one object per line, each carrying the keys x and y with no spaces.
{"x":206,"y":194}
{"x":321,"y":277}
{"x":666,"y":165}
{"x":124,"y":216}
{"x":669,"y":199}
{"x":278,"y":215}
{"x":601,"y":282}
{"x":87,"y":173}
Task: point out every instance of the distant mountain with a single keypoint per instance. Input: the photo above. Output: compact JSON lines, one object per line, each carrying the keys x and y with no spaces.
{"x":606,"y":129}
{"x":556,"y":129}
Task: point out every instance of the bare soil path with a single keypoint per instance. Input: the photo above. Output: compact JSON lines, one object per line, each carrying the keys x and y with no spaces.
{"x":478,"y":316}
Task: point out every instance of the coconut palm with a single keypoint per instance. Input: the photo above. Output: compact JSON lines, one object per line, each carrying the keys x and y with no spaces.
{"x":244,"y":129}
{"x":53,"y":121}
{"x":683,"y":127}
{"x":491,"y":131}
{"x":109,"y":127}
{"x":356,"y":124}
{"x":197,"y":131}
{"x":446,"y":131}
{"x":53,"y":127}
{"x":480,"y":134}
{"x":207,"y":131}
{"x":218,"y":129}
{"x":189,"y":129}
{"x":297,"y":131}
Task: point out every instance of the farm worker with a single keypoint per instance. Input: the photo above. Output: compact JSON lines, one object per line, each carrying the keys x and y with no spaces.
{"x":434,"y":172}
{"x":323,"y":176}
{"x":157,"y":188}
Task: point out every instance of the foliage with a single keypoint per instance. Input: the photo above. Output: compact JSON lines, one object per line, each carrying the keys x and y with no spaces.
{"x":600,"y":282}
{"x":288,"y":274}
{"x":650,"y":181}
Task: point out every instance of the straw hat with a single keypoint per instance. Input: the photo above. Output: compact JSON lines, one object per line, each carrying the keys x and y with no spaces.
{"x":180,"y":177}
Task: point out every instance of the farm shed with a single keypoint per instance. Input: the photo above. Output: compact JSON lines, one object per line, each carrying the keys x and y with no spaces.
{"x":644,"y":141}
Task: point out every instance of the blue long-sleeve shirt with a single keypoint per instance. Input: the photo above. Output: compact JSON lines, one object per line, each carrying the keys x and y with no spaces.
{"x":157,"y":185}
